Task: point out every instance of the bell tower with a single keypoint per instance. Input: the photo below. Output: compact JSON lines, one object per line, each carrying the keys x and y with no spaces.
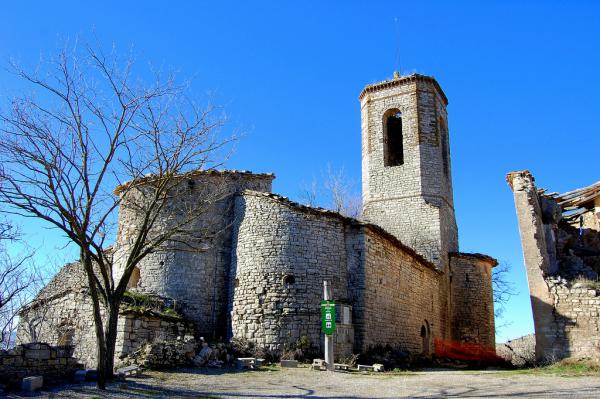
{"x":406,"y":173}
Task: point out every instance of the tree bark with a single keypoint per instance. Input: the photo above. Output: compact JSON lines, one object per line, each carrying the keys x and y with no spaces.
{"x":111,"y":337}
{"x":100,"y":340}
{"x":98,"y":322}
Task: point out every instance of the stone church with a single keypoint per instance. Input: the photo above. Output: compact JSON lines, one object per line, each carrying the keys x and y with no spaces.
{"x":397,"y":275}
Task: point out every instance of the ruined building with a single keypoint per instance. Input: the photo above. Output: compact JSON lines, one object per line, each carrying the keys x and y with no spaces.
{"x":397,"y":275}
{"x":560,"y":235}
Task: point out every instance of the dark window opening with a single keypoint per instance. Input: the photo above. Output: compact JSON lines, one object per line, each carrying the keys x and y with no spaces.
{"x":394,"y":150}
{"x":191,"y":185}
{"x":288,"y":281}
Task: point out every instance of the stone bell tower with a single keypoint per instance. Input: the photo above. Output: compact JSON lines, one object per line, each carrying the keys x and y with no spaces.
{"x":406,"y":174}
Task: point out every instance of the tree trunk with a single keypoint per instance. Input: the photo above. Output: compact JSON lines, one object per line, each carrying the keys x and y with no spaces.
{"x":98,"y":323}
{"x":111,"y":337}
{"x":101,"y":343}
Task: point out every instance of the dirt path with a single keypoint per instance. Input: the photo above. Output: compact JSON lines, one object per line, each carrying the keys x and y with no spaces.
{"x":303,"y":383}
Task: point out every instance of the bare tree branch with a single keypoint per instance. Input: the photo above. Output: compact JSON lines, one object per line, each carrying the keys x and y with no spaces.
{"x":18,"y":281}
{"x":338,"y":191}
{"x":503,"y":288}
{"x":93,"y":127}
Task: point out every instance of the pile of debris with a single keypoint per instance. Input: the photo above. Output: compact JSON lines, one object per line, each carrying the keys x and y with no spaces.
{"x":164,"y":354}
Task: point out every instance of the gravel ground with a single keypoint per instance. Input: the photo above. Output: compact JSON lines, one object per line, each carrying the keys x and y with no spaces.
{"x":304,"y":383}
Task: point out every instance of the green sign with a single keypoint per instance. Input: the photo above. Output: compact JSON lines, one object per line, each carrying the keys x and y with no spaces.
{"x":328,"y":317}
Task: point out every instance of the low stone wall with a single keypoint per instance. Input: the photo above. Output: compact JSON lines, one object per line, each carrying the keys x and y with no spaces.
{"x":54,"y":363}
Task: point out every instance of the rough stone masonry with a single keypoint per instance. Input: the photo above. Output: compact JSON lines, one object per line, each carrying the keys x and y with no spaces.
{"x":397,"y":275}
{"x":560,"y":236}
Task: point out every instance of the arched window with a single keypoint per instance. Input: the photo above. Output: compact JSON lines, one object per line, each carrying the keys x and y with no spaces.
{"x":392,"y":138}
{"x":134,"y":279}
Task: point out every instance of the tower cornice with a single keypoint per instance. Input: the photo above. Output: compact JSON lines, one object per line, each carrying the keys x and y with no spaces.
{"x":401,"y":81}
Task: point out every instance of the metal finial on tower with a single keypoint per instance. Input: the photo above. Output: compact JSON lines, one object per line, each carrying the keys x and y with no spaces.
{"x":397,"y":58}
{"x":397,"y":75}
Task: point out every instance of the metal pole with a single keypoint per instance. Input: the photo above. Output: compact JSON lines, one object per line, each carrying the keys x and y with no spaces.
{"x":327,"y":295}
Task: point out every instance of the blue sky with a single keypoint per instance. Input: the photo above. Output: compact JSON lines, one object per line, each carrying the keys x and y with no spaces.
{"x":521,"y":77}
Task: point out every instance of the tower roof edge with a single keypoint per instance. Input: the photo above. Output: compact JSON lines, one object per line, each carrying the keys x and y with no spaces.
{"x":400,"y":80}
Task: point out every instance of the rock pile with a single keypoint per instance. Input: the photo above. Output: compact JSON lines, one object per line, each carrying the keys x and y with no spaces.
{"x":163,"y":354}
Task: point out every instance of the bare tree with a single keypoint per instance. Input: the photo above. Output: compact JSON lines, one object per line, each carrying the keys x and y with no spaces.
{"x":339,"y":193}
{"x":309,"y":194}
{"x":93,"y":126}
{"x":17,"y":281}
{"x":502,"y":287}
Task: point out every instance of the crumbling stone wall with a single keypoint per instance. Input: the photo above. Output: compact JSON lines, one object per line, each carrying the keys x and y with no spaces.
{"x":472,"y":299}
{"x":54,"y":363}
{"x":412,"y":201}
{"x":519,"y":352}
{"x":576,"y":322}
{"x":62,"y":314}
{"x":565,"y":311}
{"x":138,"y":332}
{"x":198,"y":279}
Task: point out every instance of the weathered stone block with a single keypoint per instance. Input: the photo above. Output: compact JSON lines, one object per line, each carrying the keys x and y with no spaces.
{"x":289,"y":363}
{"x":31,"y":384}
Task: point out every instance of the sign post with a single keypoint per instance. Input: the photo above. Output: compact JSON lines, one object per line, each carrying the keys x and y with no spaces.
{"x":328,"y":324}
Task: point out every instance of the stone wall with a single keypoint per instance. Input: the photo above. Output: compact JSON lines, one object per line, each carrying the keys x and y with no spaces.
{"x":282,"y":253}
{"x":62,"y":314}
{"x":196,"y":278}
{"x":576,"y":320}
{"x":280,"y":258}
{"x":413,"y":201}
{"x":537,"y":264}
{"x":402,"y":298}
{"x":54,"y":363}
{"x":565,"y":312}
{"x":472,"y":299}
